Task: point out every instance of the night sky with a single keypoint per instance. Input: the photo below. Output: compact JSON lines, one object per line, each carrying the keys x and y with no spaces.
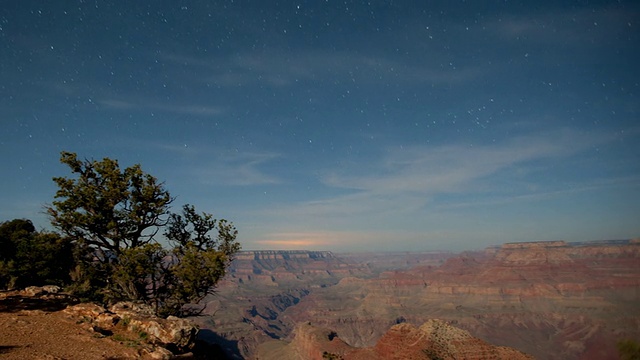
{"x":337,"y":125}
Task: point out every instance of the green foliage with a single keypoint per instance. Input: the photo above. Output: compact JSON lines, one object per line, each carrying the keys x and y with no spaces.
{"x":89,"y":276}
{"x":137,"y":273}
{"x":30,"y":257}
{"x":629,"y":350}
{"x":106,"y":207}
{"x":330,"y":356}
{"x":198,"y":260}
{"x":114,"y":215}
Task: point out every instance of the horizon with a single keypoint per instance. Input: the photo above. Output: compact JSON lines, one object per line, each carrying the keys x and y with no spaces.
{"x":571,"y":243}
{"x":350,"y":126}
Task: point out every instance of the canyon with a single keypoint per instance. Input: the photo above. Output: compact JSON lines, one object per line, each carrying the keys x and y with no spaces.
{"x":551,"y":300}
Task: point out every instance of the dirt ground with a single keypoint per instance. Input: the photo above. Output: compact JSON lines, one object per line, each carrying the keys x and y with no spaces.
{"x":37,"y":328}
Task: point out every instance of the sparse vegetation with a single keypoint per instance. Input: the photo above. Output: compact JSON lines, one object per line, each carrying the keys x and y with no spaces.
{"x":432,"y":354}
{"x":121,"y":338}
{"x":124,"y":321}
{"x":629,"y":349}
{"x":331,"y":356}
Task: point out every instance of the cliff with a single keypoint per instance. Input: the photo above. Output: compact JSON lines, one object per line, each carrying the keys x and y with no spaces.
{"x":276,"y":267}
{"x":554,"y":300}
{"x":435,"y":339}
{"x":247,"y":307}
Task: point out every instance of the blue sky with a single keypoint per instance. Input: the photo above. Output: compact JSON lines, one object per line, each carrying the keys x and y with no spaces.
{"x":337,"y":125}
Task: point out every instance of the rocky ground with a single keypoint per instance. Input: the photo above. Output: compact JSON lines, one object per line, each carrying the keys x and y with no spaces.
{"x":34,"y":328}
{"x":49,"y":325}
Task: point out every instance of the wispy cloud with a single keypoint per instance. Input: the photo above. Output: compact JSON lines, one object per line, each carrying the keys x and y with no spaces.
{"x":594,"y":185}
{"x":355,"y":240}
{"x":214,"y":165}
{"x":296,"y":240}
{"x":406,"y":179}
{"x":565,"y":26}
{"x":281,"y":69}
{"x":236,"y":169}
{"x":449,"y":168}
{"x":319,"y":240}
{"x":190,"y":109}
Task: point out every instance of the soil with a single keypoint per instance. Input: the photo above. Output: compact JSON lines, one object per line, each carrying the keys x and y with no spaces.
{"x":37,"y":328}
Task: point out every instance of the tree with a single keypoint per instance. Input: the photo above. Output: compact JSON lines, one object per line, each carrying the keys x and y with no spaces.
{"x":199,"y":259}
{"x":30,"y":257}
{"x":108,"y":208}
{"x":114,"y":217}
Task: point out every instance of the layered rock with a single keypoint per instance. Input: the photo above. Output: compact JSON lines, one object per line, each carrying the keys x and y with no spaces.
{"x":249,"y":304}
{"x":554,"y":300}
{"x":272,"y":268}
{"x":561,"y":301}
{"x":435,"y":339}
{"x":260,"y":285}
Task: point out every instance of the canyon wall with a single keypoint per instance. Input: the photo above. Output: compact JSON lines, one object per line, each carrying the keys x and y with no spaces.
{"x":434,"y":339}
{"x":554,"y":300}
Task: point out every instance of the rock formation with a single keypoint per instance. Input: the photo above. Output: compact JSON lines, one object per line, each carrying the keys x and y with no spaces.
{"x":554,"y":300}
{"x":562,"y":301}
{"x":248,"y":306}
{"x":435,"y":339}
{"x":171,"y":333}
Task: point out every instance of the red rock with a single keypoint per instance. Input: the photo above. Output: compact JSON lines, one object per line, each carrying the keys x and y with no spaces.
{"x":435,"y":339}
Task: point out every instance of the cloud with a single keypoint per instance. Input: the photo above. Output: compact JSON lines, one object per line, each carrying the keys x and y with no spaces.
{"x":534,"y":195}
{"x":356,"y":240}
{"x":213,"y":165}
{"x":404,"y":180}
{"x":189,"y":109}
{"x":320,"y":240}
{"x":295,"y":240}
{"x":235,"y":168}
{"x":451,"y":168}
{"x":566,"y":26}
{"x":285,"y":68}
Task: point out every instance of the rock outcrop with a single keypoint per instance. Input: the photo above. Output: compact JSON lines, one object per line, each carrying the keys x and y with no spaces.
{"x":435,"y":339}
{"x":33,"y":315}
{"x":173,"y":334}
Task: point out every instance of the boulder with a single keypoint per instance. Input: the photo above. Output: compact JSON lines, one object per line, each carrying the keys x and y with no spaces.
{"x":41,"y":290}
{"x":173,"y":333}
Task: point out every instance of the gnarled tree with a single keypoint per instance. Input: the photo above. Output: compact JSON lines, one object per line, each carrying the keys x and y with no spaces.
{"x":114,"y":217}
{"x":106,"y":207}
